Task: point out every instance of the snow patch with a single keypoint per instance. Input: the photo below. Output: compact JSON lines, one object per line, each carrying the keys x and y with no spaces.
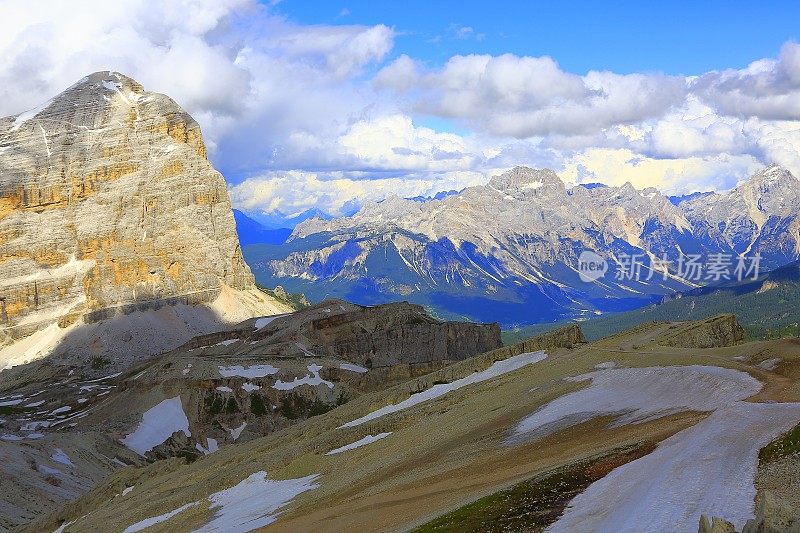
{"x":498,"y":368}
{"x":250,"y":387}
{"x":256,"y":371}
{"x":11,"y":402}
{"x":224,"y":389}
{"x":22,"y":118}
{"x":227,"y":342}
{"x":111,"y":86}
{"x":639,"y":395}
{"x":48,"y":471}
{"x":254,"y":503}
{"x":313,"y":380}
{"x":34,"y":425}
{"x":211,"y":446}
{"x":236,"y":433}
{"x":64,"y":526}
{"x":157,"y":425}
{"x":110,"y":376}
{"x":60,"y":457}
{"x":369,"y":439}
{"x":304,"y":349}
{"x":353,"y":368}
{"x":13,"y":397}
{"x":263,"y":322}
{"x":689,"y":474}
{"x":149,"y":522}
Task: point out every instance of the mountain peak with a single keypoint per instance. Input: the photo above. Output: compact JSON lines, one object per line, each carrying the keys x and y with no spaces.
{"x":772,"y":174}
{"x":135,"y":217}
{"x":106,"y":78}
{"x":772,"y":185}
{"x":521,"y":178}
{"x":92,"y":94}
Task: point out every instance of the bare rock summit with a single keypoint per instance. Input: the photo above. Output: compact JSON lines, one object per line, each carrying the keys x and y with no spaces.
{"x":113,"y":226}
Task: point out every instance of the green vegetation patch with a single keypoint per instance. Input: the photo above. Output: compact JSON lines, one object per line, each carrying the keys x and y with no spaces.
{"x":296,"y":407}
{"x":534,"y":504}
{"x":232,"y":406}
{"x":257,"y":405}
{"x":296,"y":301}
{"x":785,"y":445}
{"x":215,"y":405}
{"x":770,"y":314}
{"x":98,"y":363}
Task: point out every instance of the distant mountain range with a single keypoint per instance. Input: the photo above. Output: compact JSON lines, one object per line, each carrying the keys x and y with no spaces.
{"x":509,"y":250}
{"x":280,"y":220}
{"x":438,"y":196}
{"x":252,"y":232}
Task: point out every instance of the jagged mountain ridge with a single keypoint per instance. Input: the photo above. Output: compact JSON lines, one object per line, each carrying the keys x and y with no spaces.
{"x":508,"y":250}
{"x":111,"y":212}
{"x":758,"y":216}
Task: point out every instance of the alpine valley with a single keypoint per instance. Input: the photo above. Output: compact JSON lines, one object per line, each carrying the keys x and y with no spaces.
{"x":509,"y":250}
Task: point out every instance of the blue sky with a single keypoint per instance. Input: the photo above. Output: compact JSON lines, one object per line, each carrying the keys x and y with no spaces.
{"x":676,"y":37}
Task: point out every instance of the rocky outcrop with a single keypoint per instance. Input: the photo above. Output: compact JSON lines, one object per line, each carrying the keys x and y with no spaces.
{"x":565,"y":337}
{"x":715,"y":525}
{"x":773,"y":515}
{"x":372,"y":336}
{"x":715,"y":332}
{"x":399,"y":333}
{"x":108,"y":207}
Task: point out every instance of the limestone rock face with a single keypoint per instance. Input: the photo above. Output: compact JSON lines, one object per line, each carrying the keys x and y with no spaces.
{"x":399,"y":333}
{"x":108,"y":206}
{"x":372,"y":336}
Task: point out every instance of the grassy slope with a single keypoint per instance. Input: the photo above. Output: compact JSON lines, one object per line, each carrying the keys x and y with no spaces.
{"x":441,"y":455}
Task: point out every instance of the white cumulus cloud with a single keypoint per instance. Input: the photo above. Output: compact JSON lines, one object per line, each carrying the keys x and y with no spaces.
{"x":331,"y":116}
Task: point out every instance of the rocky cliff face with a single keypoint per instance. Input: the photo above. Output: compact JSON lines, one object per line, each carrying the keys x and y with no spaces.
{"x":399,"y":333}
{"x":108,"y":207}
{"x":759,"y":216}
